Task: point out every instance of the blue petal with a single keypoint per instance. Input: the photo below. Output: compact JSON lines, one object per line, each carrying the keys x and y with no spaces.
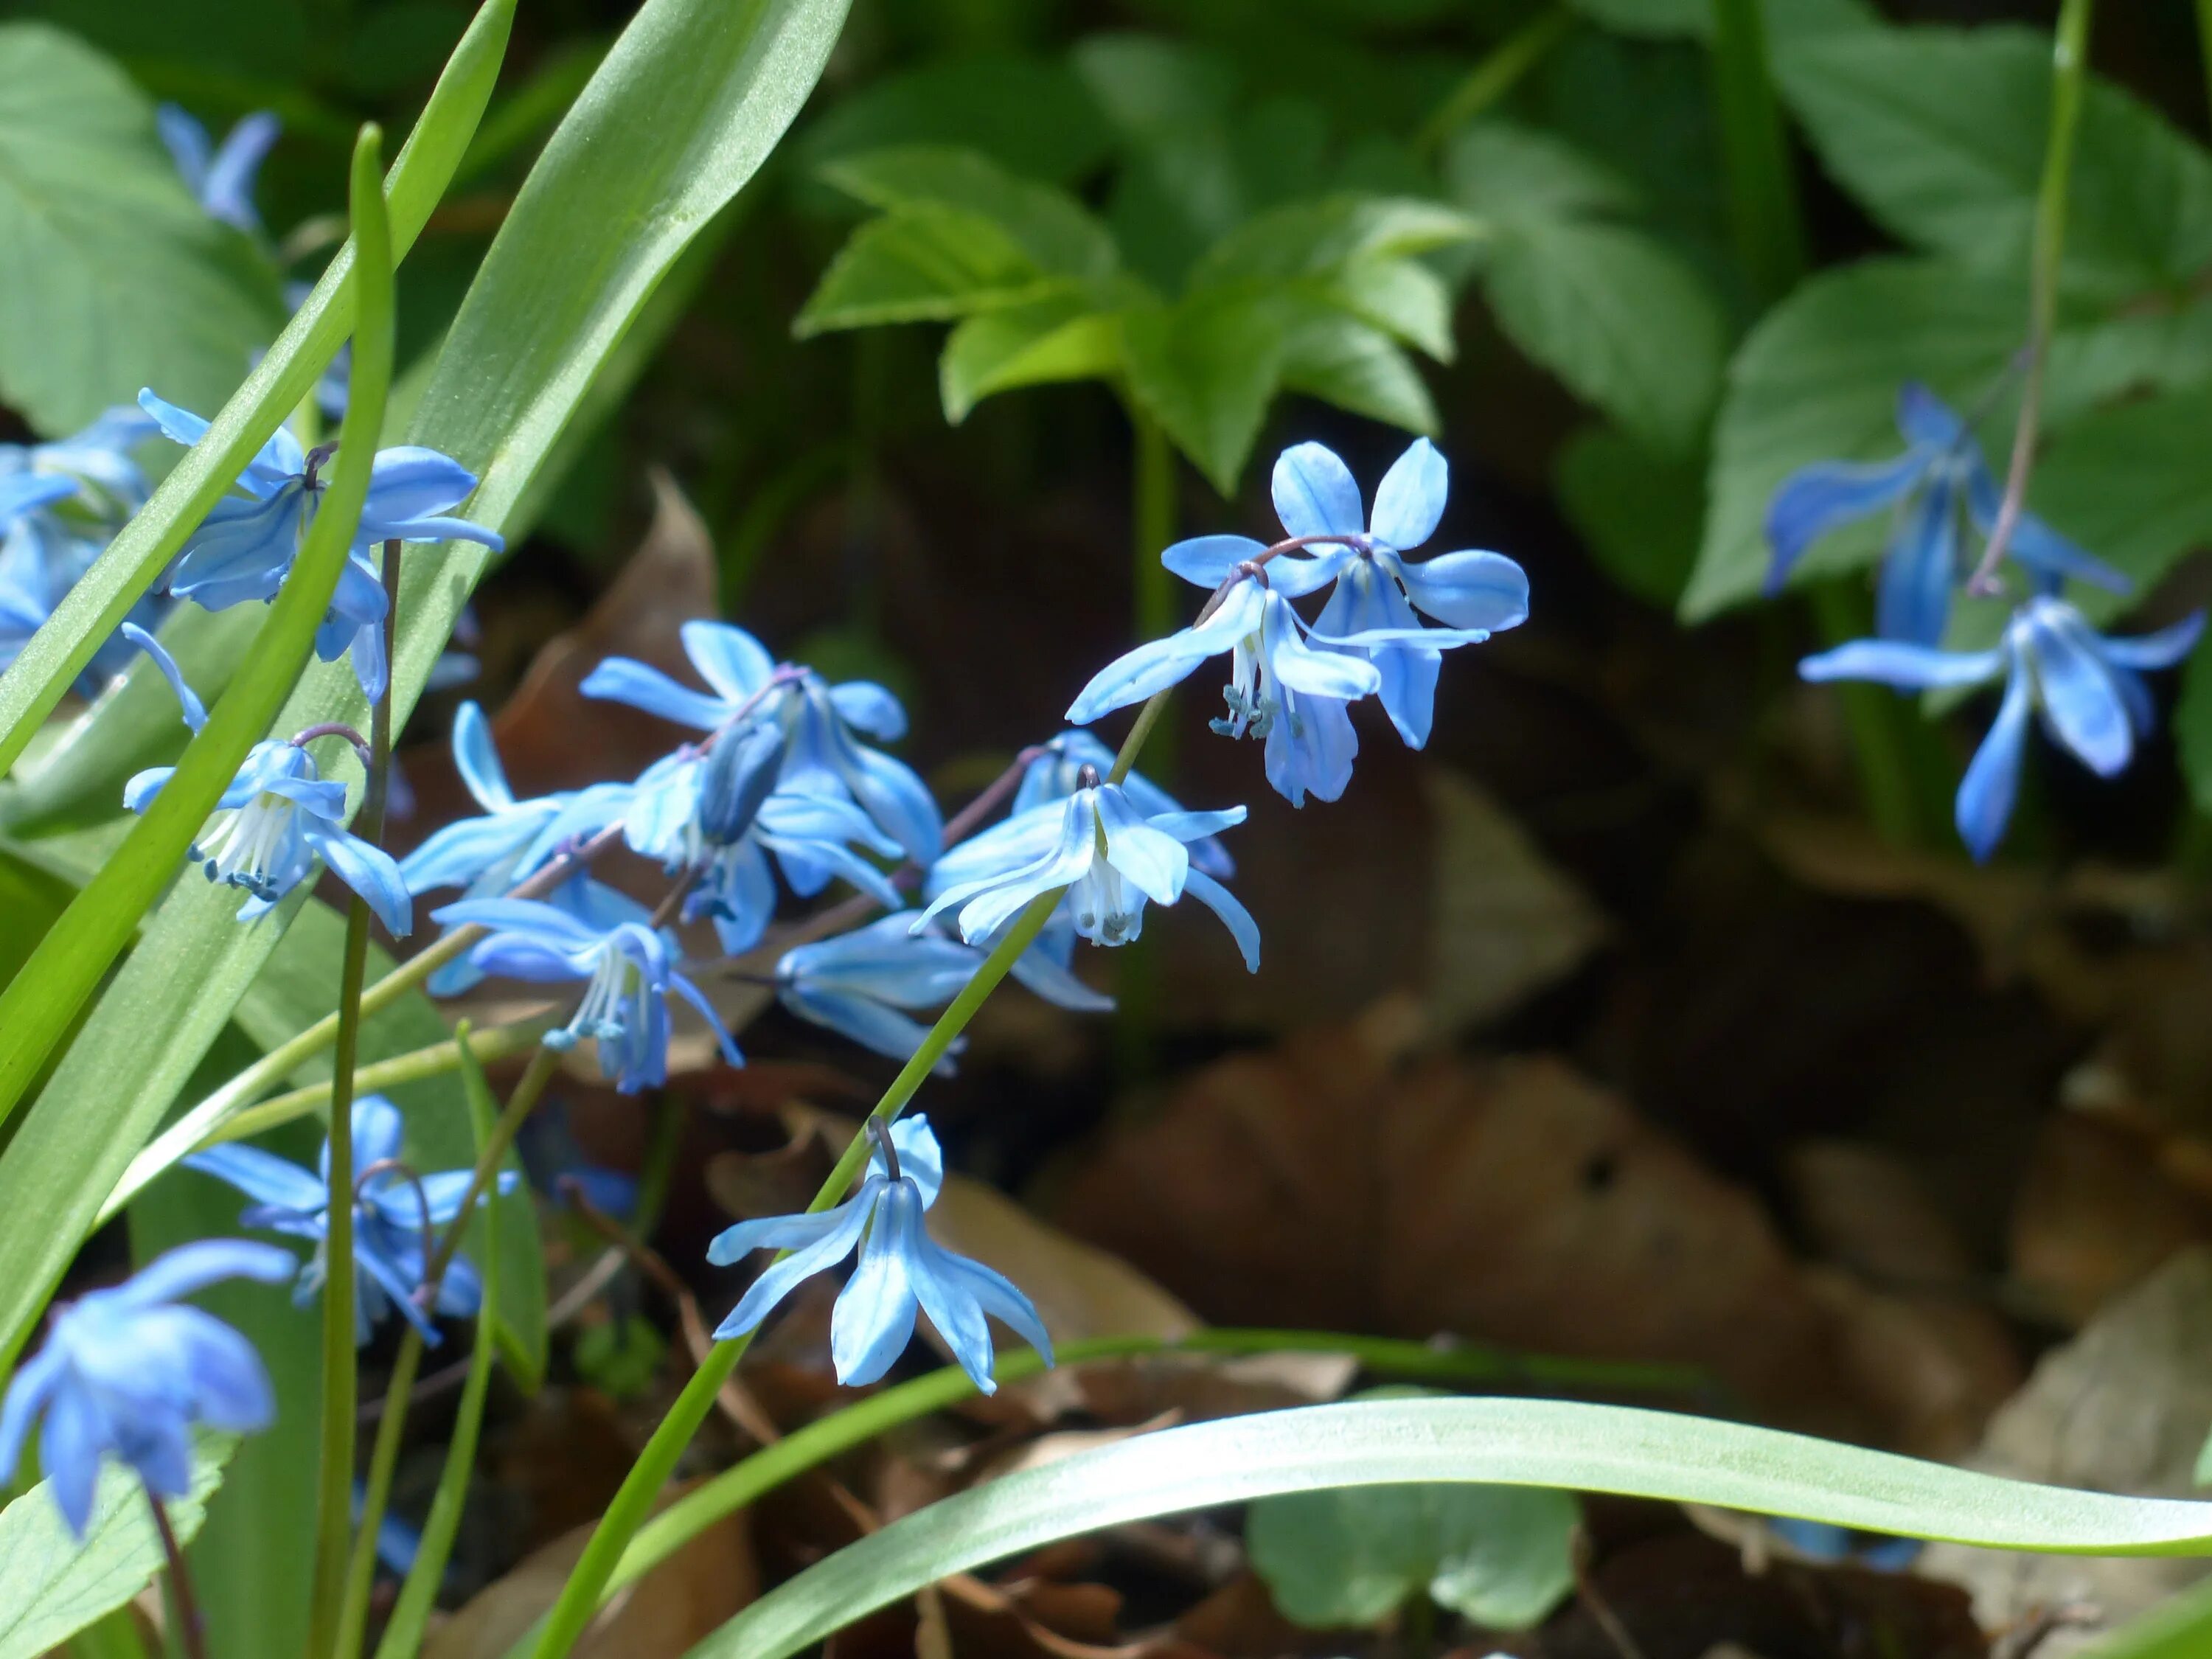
{"x":992,"y":1293}
{"x":27,"y":1392}
{"x":921,"y":1160}
{"x":70,"y":1448}
{"x":873,"y":1320}
{"x":1927,"y":422}
{"x":728,"y":658}
{"x":1153,"y":861}
{"x":1158,"y":664}
{"x":2161,"y":650}
{"x":1914,"y":600}
{"x":226,"y":189}
{"x":369,"y":871}
{"x":1043,"y":976}
{"x":1207,"y":561}
{"x":1469,"y":589}
{"x":262,"y":1176}
{"x":1311,"y":746}
{"x":1986,"y":793}
{"x":1409,"y":499}
{"x":620,"y":679}
{"x":1908,"y":667}
{"x":1816,"y":499}
{"x":1297,"y":665}
{"x":378,"y":1132}
{"x":409,"y":482}
{"x":23,"y":493}
{"x":2081,"y":704}
{"x":526,"y":916}
{"x":230,"y":1389}
{"x":896,"y":799}
{"x":876,"y":1027}
{"x":833,"y":1239}
{"x":457,"y":855}
{"x":195,"y":711}
{"x":241,"y":551}
{"x":187,"y":141}
{"x":1223,"y":903}
{"x":1316,"y":494}
{"x":866,"y":706}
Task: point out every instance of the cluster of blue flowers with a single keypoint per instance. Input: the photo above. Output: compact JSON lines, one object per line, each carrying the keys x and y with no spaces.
{"x":781,"y":785}
{"x":2086,"y":689}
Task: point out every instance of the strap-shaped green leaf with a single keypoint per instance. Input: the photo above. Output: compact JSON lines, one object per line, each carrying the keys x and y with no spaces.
{"x":1498,"y":1442}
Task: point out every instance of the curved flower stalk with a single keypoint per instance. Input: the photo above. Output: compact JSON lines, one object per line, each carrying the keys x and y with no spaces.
{"x":1108,"y":855}
{"x":220,"y":177}
{"x":1940,"y":478}
{"x":901,"y":1270}
{"x":2086,"y":689}
{"x":1291,"y":685}
{"x":129,"y":1373}
{"x":395,"y":1215}
{"x":244,"y":548}
{"x":279,"y":816}
{"x":628,"y":968}
{"x":816,"y":723}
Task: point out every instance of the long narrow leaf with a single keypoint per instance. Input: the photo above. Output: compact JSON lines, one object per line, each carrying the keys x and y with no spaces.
{"x":34,"y":683}
{"x":43,"y":997}
{"x":1523,"y":1442}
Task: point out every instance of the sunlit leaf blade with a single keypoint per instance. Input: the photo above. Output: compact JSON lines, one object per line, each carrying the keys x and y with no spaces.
{"x":51,"y":1586}
{"x":1499,"y":1442}
{"x":507,"y":1239}
{"x":34,"y":683}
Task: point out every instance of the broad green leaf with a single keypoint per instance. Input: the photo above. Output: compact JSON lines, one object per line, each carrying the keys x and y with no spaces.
{"x":1336,"y":357}
{"x":923,"y":262}
{"x":111,"y":276}
{"x":1638,"y":511}
{"x":1205,"y":369}
{"x":1818,"y":380}
{"x":1309,"y":238}
{"x":1046,"y":340}
{"x":1048,"y":224}
{"x":1627,"y":324}
{"x":1032,"y":115}
{"x":31,"y":899}
{"x":676,"y":118}
{"x":51,"y":1586}
{"x":50,"y":664}
{"x":1786,"y":19}
{"x":1501,"y":1556}
{"x":42,"y":999}
{"x":507,"y":1243}
{"x":1500,"y":169}
{"x":1148,"y":84}
{"x":2179,"y":1627}
{"x":1940,"y":133}
{"x":1403,"y":297}
{"x":1523,"y":1443}
{"x":251,"y":1561}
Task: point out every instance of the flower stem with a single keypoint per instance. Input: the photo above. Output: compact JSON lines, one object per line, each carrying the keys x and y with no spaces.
{"x":192,"y":1633}
{"x":334,"y":1483}
{"x":1768,"y":223}
{"x":383,"y":1458}
{"x":580,"y":1597}
{"x":527,"y":1089}
{"x":2070,"y":70}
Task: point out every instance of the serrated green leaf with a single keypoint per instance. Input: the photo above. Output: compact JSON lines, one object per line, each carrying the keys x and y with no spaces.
{"x":1818,"y":380}
{"x":1501,"y":1556}
{"x":1493,"y":1442}
{"x":1502,"y":170}
{"x":923,"y":262}
{"x":51,"y":1586}
{"x":1343,"y":361}
{"x":1309,"y":239}
{"x":1032,"y":115}
{"x":1403,"y":297}
{"x":1940,"y":133}
{"x":2130,"y":484}
{"x":1046,"y":341}
{"x":1205,"y":369}
{"x":111,"y":276}
{"x":1627,"y":324}
{"x":1048,"y":224}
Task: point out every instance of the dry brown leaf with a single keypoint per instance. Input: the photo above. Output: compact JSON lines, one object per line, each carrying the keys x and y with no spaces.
{"x":662,"y":1616}
{"x":2094,"y":1215}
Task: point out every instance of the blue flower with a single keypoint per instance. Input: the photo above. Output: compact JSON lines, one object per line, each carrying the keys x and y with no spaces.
{"x":129,"y":1372}
{"x":244,"y":547}
{"x":110,"y":484}
{"x":2087,"y":688}
{"x":1056,"y":773}
{"x":221,"y":177}
{"x":277,"y":818}
{"x":1108,"y":855}
{"x":858,"y":984}
{"x":629,"y":971}
{"x":900,"y":1270}
{"x":391,"y":1227}
{"x":488,"y":854}
{"x":815,"y":721}
{"x":1940,"y":475}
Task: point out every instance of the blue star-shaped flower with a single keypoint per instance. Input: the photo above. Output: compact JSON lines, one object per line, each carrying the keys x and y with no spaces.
{"x":277,"y":818}
{"x":1941,"y":476}
{"x":391,"y":1226}
{"x":127,"y":1373}
{"x":2087,"y":688}
{"x":901,"y":1271}
{"x":245,"y":548}
{"x":628,"y":968}
{"x":1111,"y":858}
{"x":815,"y":722}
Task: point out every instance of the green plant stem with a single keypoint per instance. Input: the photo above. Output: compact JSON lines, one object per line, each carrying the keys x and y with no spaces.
{"x":580,"y":1597}
{"x":840,"y":1431}
{"x":520,"y":1105}
{"x":2070,"y":70}
{"x":2204,"y":44}
{"x":383,"y":1458}
{"x":1497,"y":74}
{"x":1880,"y":725}
{"x":1768,"y":223}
